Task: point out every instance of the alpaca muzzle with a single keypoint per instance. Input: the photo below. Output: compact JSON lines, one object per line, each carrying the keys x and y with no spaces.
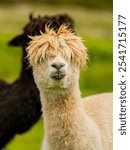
{"x":58,"y":75}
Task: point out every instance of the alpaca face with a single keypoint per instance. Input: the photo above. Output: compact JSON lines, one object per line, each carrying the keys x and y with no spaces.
{"x":56,"y":58}
{"x":56,"y":73}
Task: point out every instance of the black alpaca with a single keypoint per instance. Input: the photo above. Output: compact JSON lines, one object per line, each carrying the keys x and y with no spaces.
{"x":20,"y":106}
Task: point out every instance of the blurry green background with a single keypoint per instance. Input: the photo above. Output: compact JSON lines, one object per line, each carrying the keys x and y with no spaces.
{"x":93,"y":21}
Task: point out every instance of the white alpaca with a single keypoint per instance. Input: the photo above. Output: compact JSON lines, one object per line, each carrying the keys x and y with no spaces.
{"x":71,"y":123}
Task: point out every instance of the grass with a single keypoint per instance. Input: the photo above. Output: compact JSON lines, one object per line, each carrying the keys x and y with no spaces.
{"x":93,"y":25}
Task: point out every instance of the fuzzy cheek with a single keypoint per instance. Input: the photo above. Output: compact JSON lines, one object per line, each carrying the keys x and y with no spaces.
{"x":42,"y":82}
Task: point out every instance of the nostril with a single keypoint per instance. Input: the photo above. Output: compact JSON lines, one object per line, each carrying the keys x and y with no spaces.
{"x":54,"y":65}
{"x":57,"y":65}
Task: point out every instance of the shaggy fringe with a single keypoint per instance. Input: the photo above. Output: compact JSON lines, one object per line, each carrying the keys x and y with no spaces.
{"x":52,"y":43}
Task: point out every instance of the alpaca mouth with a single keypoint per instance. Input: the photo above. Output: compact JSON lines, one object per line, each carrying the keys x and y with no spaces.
{"x":58,"y":76}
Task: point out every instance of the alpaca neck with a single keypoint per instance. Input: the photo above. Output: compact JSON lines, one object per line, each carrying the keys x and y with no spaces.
{"x":63,"y":116}
{"x":26,"y":71}
{"x":62,"y":100}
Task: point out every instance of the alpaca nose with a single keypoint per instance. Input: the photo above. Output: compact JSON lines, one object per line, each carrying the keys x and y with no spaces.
{"x":57,"y":65}
{"x":58,"y":71}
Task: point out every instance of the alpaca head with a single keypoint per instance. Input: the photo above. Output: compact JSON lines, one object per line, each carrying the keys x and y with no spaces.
{"x":56,"y":58}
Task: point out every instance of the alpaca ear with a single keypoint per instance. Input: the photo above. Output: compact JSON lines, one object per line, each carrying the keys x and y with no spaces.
{"x":31,"y":17}
{"x":19,"y":40}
